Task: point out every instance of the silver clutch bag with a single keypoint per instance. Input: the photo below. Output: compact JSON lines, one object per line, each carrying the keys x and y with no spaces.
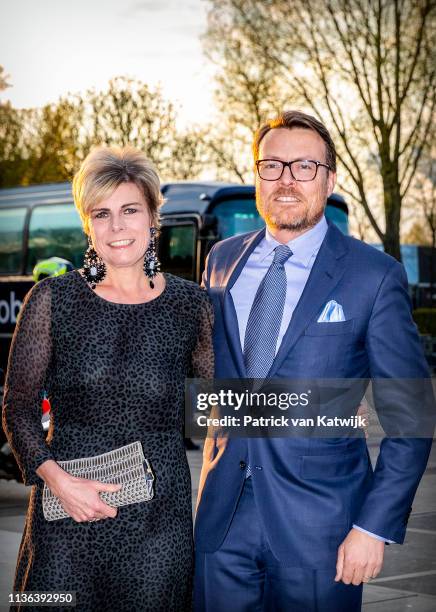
{"x":123,"y":466}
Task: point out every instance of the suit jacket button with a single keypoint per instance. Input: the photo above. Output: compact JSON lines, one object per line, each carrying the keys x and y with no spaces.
{"x":242,"y":465}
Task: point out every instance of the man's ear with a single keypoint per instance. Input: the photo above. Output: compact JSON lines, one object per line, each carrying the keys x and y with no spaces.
{"x":331,"y":182}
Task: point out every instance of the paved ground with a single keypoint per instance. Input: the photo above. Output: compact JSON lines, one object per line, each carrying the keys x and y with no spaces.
{"x":407,"y":583}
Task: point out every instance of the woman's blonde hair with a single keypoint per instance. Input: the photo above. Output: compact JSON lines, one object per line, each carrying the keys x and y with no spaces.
{"x":104,"y":169}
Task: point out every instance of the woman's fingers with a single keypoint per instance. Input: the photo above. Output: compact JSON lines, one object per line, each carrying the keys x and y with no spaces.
{"x":82,"y":500}
{"x":107,"y":486}
{"x":105,"y":509}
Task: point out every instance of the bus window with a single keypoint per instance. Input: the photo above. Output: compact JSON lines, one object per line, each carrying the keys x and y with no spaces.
{"x":237,"y":217}
{"x":56,"y":230}
{"x":11,"y":239}
{"x":177,"y":247}
{"x":240,"y":216}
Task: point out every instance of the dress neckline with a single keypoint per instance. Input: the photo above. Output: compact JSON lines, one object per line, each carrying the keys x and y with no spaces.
{"x":121,"y":304}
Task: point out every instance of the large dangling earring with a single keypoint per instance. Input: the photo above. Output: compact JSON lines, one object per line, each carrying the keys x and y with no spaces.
{"x":151,"y":262}
{"x":94,"y":268}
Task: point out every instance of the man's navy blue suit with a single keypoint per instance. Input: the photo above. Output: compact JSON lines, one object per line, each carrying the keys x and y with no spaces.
{"x":310,"y":491}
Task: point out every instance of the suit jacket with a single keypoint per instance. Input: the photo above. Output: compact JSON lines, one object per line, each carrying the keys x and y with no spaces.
{"x":309,"y":491}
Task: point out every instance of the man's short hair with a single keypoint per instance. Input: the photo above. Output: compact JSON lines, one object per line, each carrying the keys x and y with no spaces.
{"x":296,"y":119}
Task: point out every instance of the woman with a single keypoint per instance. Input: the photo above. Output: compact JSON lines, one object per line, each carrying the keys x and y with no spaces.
{"x":111,"y":345}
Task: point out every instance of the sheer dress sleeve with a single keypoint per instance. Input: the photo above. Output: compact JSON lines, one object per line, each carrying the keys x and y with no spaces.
{"x":202,"y":355}
{"x":203,"y":367}
{"x":29,"y":359}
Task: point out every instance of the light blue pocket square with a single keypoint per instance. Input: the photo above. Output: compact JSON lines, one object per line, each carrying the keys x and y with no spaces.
{"x":331,"y":313}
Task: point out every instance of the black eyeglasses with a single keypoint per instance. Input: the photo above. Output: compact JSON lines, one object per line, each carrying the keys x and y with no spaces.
{"x":301,"y":169}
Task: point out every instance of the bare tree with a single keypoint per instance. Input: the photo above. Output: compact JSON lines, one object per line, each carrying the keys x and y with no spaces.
{"x":224,"y":153}
{"x":3,"y":79}
{"x":12,"y":157}
{"x":366,"y":67}
{"x":187,"y":159}
{"x":245,"y":94}
{"x":424,"y":200}
{"x":129,"y":112}
{"x":428,"y":194}
{"x":360,"y":223}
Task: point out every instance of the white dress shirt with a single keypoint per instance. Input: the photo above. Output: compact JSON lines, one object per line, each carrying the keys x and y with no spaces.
{"x":304,"y":251}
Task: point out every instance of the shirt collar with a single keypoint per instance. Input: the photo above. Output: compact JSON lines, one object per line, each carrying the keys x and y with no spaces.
{"x":303,"y":247}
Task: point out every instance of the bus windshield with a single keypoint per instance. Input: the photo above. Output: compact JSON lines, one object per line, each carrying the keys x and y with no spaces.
{"x":338,"y":216}
{"x":237,"y":217}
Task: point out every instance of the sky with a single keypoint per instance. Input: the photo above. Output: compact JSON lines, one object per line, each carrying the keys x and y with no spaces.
{"x":52,"y":47}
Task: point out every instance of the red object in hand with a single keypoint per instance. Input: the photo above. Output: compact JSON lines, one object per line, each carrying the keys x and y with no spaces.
{"x":45,"y":405}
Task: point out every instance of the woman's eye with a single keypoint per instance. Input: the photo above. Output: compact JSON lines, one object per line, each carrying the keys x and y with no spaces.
{"x":130,"y":211}
{"x":101,"y":215}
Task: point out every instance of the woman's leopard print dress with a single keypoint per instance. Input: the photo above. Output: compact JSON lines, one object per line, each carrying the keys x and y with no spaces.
{"x":114,"y":373}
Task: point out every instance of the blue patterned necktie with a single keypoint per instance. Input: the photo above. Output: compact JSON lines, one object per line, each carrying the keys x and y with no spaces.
{"x":265,"y":319}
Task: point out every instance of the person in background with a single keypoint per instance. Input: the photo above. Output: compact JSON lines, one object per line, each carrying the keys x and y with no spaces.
{"x":52,"y":266}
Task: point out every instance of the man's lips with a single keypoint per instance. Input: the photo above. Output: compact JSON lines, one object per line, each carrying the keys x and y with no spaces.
{"x":287,"y":198}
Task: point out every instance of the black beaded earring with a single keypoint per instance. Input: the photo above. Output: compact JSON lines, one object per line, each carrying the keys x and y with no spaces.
{"x":94,"y":268}
{"x":151,"y":262}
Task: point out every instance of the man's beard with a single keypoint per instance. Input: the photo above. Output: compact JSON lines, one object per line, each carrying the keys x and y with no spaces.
{"x":288,"y":221}
{"x":297,"y":225}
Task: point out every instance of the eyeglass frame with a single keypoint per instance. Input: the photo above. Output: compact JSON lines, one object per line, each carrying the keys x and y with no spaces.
{"x":288,"y":165}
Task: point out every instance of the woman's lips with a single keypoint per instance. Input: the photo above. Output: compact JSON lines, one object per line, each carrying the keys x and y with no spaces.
{"x":121,"y":244}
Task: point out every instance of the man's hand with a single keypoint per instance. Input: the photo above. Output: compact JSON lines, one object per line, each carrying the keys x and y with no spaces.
{"x":364,"y":413}
{"x":360,"y":558}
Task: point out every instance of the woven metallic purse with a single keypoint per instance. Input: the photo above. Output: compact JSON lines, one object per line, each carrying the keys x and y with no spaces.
{"x":123,"y":466}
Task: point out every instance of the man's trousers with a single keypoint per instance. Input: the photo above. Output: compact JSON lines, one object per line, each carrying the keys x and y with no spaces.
{"x":244,"y":576}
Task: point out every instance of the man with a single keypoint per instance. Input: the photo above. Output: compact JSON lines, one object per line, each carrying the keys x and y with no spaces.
{"x":294,"y":524}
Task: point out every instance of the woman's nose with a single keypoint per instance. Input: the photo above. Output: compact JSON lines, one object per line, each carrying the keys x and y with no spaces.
{"x":118,"y":223}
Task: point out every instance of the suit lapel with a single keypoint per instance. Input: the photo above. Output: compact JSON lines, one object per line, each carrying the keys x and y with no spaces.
{"x":326,"y":272}
{"x":236,"y":263}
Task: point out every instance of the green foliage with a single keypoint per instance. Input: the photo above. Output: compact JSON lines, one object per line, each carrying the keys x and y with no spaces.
{"x":425,"y":318}
{"x":11,"y":155}
{"x":48,"y":144}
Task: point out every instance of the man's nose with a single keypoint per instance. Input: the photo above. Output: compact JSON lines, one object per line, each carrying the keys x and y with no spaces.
{"x":287,"y":178}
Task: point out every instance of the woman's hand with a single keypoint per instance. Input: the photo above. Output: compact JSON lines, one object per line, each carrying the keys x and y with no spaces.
{"x":79,"y":497}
